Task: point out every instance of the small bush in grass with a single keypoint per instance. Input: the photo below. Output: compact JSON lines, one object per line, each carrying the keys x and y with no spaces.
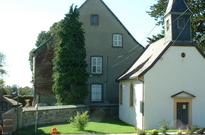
{"x":190,"y":129}
{"x":179,"y":131}
{"x":80,"y":121}
{"x":200,"y":131}
{"x":153,"y":132}
{"x":164,"y":126}
{"x":139,"y":131}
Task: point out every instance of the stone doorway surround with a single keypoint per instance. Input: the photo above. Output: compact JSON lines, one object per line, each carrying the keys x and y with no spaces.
{"x":182,"y":97}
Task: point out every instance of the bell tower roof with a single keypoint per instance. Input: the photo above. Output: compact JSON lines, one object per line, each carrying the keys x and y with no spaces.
{"x":177,"y":21}
{"x":177,"y":6}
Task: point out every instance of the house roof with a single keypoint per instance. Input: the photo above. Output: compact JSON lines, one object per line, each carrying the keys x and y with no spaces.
{"x":150,"y":56}
{"x":177,"y":6}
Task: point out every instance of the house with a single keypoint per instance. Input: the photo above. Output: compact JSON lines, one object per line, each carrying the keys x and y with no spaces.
{"x":107,"y":44}
{"x":167,"y":80}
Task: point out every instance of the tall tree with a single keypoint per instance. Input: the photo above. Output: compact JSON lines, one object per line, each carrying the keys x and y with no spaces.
{"x":197,"y":21}
{"x":70,"y":75}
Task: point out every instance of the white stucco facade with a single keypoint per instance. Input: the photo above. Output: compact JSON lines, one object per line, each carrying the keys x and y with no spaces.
{"x":131,"y":114}
{"x":170,"y":75}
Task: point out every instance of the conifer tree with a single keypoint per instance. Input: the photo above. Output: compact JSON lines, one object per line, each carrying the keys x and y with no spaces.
{"x":70,"y":75}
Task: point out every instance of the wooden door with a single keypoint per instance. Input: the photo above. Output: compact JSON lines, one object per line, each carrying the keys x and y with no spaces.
{"x":182,"y":114}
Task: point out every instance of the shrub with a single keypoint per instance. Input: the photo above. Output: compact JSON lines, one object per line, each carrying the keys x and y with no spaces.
{"x":190,"y":129}
{"x":164,"y":126}
{"x":141,"y":132}
{"x":153,"y":132}
{"x":200,"y":131}
{"x":179,"y":132}
{"x":80,"y":121}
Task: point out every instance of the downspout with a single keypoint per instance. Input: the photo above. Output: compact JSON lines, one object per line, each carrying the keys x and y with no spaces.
{"x":36,"y":96}
{"x":142,"y":104}
{"x":105,"y":83}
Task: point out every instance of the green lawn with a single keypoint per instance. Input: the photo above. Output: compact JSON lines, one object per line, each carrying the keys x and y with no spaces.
{"x":107,"y":126}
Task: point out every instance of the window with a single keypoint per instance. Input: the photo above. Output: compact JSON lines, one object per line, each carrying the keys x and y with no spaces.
{"x":96,"y":65}
{"x":131,"y":95}
{"x":181,"y":23}
{"x":167,"y":24}
{"x":96,"y":92}
{"x":121,"y":94}
{"x":94,"y":20}
{"x":117,"y":40}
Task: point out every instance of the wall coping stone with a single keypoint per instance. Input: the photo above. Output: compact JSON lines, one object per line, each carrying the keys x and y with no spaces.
{"x":40,"y":108}
{"x":53,"y":107}
{"x":96,"y":105}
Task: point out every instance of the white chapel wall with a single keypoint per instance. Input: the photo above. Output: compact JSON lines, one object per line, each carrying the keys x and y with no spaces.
{"x":170,"y":75}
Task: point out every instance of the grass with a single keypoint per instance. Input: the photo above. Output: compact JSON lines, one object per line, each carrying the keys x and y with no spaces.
{"x":106,"y":126}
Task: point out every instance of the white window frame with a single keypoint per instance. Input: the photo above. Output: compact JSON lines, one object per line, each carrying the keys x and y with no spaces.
{"x":96,"y":65}
{"x":96,"y":93}
{"x":117,"y":40}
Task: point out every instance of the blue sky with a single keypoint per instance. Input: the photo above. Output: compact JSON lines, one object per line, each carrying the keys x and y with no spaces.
{"x":22,"y":21}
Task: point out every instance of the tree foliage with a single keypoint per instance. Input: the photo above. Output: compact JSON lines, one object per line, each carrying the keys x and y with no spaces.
{"x":25,"y":91}
{"x":2,"y":64}
{"x":7,"y":90}
{"x":70,"y":75}
{"x":2,"y":71}
{"x":42,"y":37}
{"x":197,"y":21}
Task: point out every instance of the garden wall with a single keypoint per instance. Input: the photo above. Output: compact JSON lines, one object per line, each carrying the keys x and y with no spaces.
{"x":53,"y":114}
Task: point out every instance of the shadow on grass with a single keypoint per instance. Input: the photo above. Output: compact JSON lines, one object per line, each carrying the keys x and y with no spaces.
{"x":93,"y":132}
{"x":110,"y":120}
{"x":29,"y":131}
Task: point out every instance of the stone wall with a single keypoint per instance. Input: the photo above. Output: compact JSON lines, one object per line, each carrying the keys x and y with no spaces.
{"x":52,"y":115}
{"x":10,"y":120}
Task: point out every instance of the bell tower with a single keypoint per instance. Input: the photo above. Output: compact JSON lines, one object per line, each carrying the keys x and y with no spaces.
{"x":177,"y":21}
